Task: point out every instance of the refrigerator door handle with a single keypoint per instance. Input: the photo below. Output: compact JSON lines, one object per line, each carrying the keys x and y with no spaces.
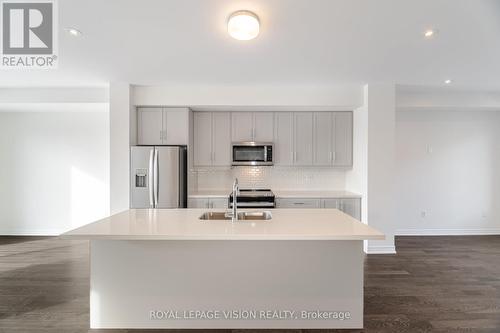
{"x":155,"y":174}
{"x":151,"y":178}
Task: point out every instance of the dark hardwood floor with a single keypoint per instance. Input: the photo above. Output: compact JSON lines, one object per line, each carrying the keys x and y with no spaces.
{"x":433,"y":284}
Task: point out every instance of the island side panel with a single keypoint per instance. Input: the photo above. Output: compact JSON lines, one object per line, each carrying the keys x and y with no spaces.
{"x":129,"y":279}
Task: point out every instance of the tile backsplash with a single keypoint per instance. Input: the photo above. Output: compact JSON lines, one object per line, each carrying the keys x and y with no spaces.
{"x":276,"y":178}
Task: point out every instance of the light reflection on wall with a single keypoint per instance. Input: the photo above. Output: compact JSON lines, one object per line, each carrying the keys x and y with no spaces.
{"x":89,"y":198}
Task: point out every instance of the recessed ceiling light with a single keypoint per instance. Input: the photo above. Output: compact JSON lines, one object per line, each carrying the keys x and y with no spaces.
{"x":448,"y":81}
{"x":243,"y":25}
{"x":430,"y":33}
{"x":73,"y":32}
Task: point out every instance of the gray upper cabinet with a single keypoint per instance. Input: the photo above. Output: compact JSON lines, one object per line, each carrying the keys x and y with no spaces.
{"x":263,"y":126}
{"x":343,"y":139}
{"x":221,"y":142}
{"x":293,"y":139}
{"x":252,"y":126}
{"x":283,"y":139}
{"x":150,"y":126}
{"x":323,"y":138}
{"x":303,"y":138}
{"x":202,"y":138}
{"x":333,"y":139}
{"x":175,"y":126}
{"x":162,"y":126}
{"x":211,"y":138}
{"x":300,"y":138}
{"x":242,"y":126}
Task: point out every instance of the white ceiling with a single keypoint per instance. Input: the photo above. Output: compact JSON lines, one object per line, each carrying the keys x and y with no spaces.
{"x":302,"y":42}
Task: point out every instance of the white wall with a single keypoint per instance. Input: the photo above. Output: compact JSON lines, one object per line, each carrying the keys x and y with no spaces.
{"x":356,"y":179}
{"x":344,"y":97}
{"x":448,"y":172}
{"x":54,"y":171}
{"x":120,"y":128}
{"x":380,"y":196}
{"x":449,"y":98}
{"x":235,"y":98}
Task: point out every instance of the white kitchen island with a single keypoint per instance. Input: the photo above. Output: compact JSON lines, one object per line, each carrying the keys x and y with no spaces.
{"x":159,"y":268}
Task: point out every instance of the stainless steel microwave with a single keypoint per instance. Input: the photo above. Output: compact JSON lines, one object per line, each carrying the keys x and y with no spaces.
{"x":252,"y":153}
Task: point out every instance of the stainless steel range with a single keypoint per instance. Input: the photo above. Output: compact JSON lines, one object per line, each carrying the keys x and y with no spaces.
{"x":253,"y":198}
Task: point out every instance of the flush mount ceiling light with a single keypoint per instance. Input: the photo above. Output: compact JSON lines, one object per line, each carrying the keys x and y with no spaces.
{"x":243,"y":25}
{"x":448,"y":81}
{"x":73,"y":32}
{"x":430,"y":33}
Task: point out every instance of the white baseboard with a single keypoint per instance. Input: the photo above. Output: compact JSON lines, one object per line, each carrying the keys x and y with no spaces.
{"x":448,"y":232}
{"x":36,"y":232}
{"x":381,"y":249}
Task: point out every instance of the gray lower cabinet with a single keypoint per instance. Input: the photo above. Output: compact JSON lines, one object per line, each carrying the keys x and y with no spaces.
{"x":330,"y":203}
{"x":218,"y":202}
{"x":198,"y":203}
{"x":298,"y":203}
{"x":350,"y":206}
{"x":207,"y":203}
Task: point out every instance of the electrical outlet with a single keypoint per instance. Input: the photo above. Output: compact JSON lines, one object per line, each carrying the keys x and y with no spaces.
{"x":429,"y":149}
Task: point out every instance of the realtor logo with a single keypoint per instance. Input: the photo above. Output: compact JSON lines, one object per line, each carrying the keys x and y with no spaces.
{"x":29,"y":34}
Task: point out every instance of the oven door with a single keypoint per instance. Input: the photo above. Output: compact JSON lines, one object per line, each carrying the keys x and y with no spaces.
{"x":251,"y":153}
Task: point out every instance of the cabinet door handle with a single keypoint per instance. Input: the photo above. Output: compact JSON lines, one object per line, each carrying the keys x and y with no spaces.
{"x":334,"y":156}
{"x":331,"y":157}
{"x":299,"y":203}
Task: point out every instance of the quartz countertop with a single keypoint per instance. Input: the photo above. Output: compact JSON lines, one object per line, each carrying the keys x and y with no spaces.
{"x":280,"y":194}
{"x":184,"y":224}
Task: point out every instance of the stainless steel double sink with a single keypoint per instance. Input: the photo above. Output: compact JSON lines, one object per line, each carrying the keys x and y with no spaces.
{"x":244,"y":216}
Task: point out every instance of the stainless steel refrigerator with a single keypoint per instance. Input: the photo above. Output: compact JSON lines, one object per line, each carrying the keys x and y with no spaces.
{"x":158,"y":177}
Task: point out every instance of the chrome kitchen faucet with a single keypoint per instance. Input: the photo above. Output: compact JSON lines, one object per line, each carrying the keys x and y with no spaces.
{"x":234,"y":210}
